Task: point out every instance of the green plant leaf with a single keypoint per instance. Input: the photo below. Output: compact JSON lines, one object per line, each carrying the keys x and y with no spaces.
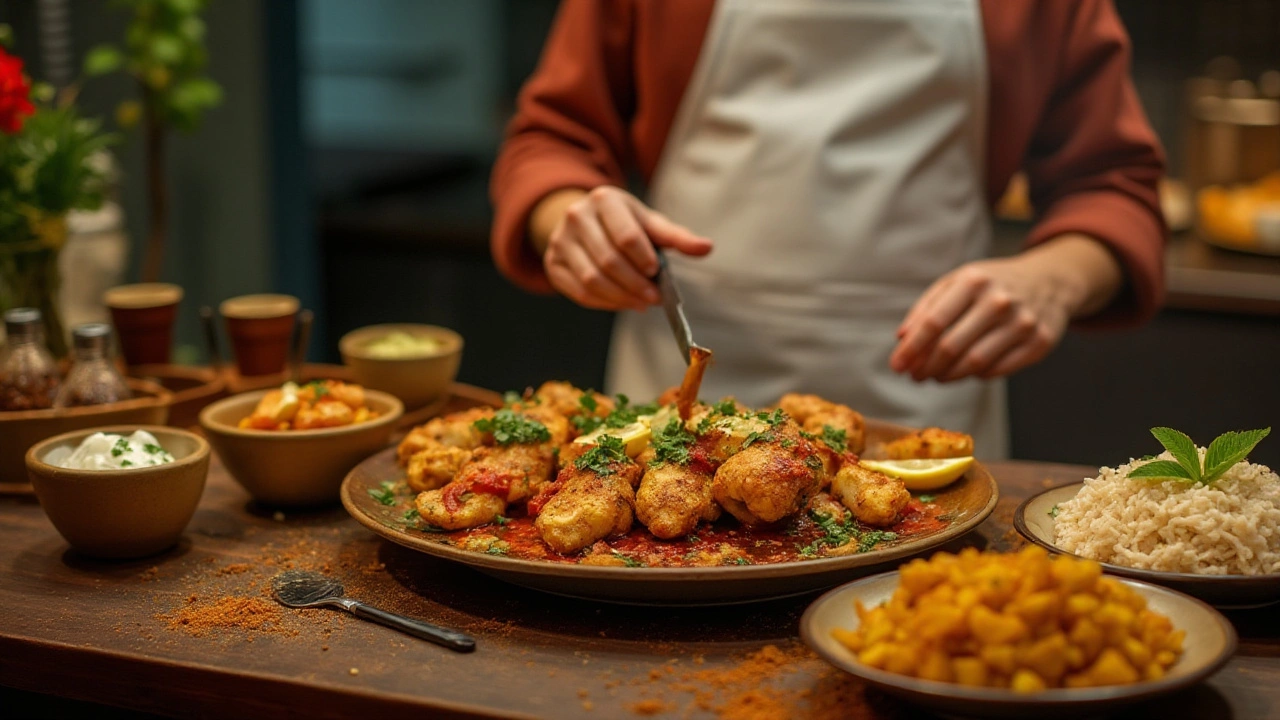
{"x":1182,"y":448}
{"x":1228,"y":449}
{"x":102,"y":60}
{"x":1163,"y":469}
{"x":166,"y":49}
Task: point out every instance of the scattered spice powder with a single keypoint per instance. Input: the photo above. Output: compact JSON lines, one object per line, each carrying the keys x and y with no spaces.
{"x":245,"y":613}
{"x":235,"y":569}
{"x":649,"y":707}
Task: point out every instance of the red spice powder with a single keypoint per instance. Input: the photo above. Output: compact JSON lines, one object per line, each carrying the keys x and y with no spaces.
{"x":244,"y":613}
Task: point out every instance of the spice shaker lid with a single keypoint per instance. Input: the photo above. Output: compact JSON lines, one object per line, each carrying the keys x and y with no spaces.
{"x":91,"y":336}
{"x":22,"y":321}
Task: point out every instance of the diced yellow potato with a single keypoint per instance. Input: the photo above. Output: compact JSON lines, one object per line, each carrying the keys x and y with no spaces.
{"x":969,"y":671}
{"x":1026,"y":681}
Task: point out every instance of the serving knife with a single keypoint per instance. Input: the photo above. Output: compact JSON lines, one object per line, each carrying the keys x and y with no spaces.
{"x":673,"y":306}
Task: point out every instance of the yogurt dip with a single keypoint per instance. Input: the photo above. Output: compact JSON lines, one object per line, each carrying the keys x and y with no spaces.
{"x":108,"y":451}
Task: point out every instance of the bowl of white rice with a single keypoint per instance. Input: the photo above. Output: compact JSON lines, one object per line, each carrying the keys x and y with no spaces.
{"x":1219,"y":542}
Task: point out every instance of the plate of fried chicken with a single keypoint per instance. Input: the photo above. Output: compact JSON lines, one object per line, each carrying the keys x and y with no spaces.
{"x":676,"y":503}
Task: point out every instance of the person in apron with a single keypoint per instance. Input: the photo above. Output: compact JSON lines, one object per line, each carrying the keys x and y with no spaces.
{"x":823,"y":190}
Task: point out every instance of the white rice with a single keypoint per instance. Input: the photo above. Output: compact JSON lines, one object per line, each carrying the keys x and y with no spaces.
{"x":1231,"y":527}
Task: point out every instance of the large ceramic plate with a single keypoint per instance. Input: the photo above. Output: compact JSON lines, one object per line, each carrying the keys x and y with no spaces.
{"x":1034,"y":521}
{"x":964,"y":504}
{"x":1209,"y":644}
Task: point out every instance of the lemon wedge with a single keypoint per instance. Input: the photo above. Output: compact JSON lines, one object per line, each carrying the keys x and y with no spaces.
{"x":635,"y":436}
{"x":922,"y":474}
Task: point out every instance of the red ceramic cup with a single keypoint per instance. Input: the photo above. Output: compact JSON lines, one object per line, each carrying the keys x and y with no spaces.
{"x":143,"y":316}
{"x":260,"y":328}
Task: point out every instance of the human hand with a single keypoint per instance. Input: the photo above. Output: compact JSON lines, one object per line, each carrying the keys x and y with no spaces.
{"x":599,"y":249}
{"x":985,"y":319}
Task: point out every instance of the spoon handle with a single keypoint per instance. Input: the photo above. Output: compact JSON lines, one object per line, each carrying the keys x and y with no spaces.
{"x":451,"y":639}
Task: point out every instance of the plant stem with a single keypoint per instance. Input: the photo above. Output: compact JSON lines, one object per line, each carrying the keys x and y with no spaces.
{"x":158,"y":192}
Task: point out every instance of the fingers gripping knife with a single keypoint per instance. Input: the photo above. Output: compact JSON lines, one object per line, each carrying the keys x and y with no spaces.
{"x":696,"y":356}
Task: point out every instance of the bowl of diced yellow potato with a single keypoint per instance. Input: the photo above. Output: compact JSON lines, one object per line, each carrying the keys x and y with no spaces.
{"x":1017,"y":635}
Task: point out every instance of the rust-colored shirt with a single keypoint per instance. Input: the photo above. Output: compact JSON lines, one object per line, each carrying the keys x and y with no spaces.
{"x":1063,"y":109}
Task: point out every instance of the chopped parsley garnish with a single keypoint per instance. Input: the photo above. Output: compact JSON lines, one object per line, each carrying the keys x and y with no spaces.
{"x":837,"y":533}
{"x":871,"y":538}
{"x":774,"y":418}
{"x":627,"y":560}
{"x":787,"y":443}
{"x":814,"y":462}
{"x":671,"y":444}
{"x":509,"y":428}
{"x":725,"y":407}
{"x":928,"y":498}
{"x":385,"y":493}
{"x":497,"y":550}
{"x":319,"y":387}
{"x":510,"y":398}
{"x":741,"y":561}
{"x":152,"y":449}
{"x":704,"y":425}
{"x":766,"y":436}
{"x":125,"y":464}
{"x":601,"y":457}
{"x":586,"y":423}
{"x":808,"y":435}
{"x":625,"y":413}
{"x":588,"y":401}
{"x":502,"y":520}
{"x":835,"y":438}
{"x":1053,"y":511}
{"x":411,"y":515}
{"x":121,"y":447}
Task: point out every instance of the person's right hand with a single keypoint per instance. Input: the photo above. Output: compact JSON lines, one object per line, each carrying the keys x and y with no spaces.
{"x":599,"y":251}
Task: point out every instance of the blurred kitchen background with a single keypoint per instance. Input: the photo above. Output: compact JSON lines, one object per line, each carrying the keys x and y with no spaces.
{"x":348,"y":163}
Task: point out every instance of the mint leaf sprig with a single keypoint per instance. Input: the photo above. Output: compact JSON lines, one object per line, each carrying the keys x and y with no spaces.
{"x":1225,"y":451}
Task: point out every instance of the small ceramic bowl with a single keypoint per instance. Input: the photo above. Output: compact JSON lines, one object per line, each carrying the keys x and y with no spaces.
{"x":416,"y":380}
{"x":128,"y":513}
{"x":295,"y":467}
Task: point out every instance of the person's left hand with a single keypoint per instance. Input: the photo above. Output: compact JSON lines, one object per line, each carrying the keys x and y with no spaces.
{"x":986,"y":319}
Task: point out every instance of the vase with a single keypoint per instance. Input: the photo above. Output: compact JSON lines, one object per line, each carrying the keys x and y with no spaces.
{"x":29,"y":277}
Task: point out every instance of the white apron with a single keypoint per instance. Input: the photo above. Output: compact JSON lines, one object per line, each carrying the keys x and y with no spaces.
{"x":834,"y":151}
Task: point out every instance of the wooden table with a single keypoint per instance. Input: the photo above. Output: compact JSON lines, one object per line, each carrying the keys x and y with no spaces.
{"x":111,"y":632}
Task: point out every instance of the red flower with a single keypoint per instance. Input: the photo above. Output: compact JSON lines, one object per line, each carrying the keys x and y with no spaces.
{"x":14,"y":91}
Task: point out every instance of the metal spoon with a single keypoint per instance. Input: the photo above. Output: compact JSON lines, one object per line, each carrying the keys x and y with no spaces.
{"x":301,"y":589}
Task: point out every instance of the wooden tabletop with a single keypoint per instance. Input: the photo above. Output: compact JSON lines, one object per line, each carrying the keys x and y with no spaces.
{"x":114,"y":633}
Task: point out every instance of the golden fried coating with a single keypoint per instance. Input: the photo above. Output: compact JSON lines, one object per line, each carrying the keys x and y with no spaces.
{"x":508,"y":474}
{"x":673,"y":498}
{"x":566,"y":399}
{"x":453,"y":430}
{"x":814,"y":414}
{"x":873,"y":498}
{"x":555,"y":423}
{"x":722,"y":436}
{"x":827,"y":506}
{"x":469,"y":510}
{"x":930,"y":443}
{"x":766,"y":481}
{"x":435,"y":467}
{"x":323,"y":415}
{"x":587,"y":507}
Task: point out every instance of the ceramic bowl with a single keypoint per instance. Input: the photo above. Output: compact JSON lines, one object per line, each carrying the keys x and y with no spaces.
{"x":127,"y":513}
{"x":295,"y":467}
{"x":415,"y":380}
{"x":193,"y":388}
{"x":20,"y":430}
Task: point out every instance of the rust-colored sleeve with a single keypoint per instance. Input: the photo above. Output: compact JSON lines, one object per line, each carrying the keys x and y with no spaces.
{"x":569,"y":130}
{"x":1094,"y":163}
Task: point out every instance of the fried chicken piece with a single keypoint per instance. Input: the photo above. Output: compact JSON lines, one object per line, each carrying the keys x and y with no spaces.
{"x":815,"y":414}
{"x":588,"y":506}
{"x":435,"y":467}
{"x":564,"y":398}
{"x":323,"y":415}
{"x":930,"y":443}
{"x":873,"y":498}
{"x":673,"y":498}
{"x":452,"y":430}
{"x":827,"y":506}
{"x":720,"y":436}
{"x":507,"y":474}
{"x":555,"y":423}
{"x":765,"y":481}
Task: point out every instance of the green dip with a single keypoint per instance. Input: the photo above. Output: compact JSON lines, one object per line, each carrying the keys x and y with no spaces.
{"x":397,"y":345}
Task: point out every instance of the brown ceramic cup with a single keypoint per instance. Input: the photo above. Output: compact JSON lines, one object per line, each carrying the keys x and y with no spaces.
{"x":260,"y":328}
{"x":143,"y":316}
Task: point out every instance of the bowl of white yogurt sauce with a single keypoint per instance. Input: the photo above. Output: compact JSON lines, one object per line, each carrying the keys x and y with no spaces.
{"x":120,"y":492}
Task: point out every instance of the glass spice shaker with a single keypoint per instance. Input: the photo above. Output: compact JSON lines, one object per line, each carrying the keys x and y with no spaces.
{"x":93,"y":379}
{"x":28,"y":373}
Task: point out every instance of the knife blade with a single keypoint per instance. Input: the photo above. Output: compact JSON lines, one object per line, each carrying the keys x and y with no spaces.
{"x":673,"y":306}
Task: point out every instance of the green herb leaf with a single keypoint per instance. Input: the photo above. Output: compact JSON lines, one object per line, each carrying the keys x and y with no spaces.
{"x":602,"y":456}
{"x":502,"y":520}
{"x":835,"y":438}
{"x":411,"y":515}
{"x":588,"y":401}
{"x":121,"y":447}
{"x":928,"y":498}
{"x":671,"y":444}
{"x":1228,"y":449}
{"x":586,"y":423}
{"x":102,"y":60}
{"x":742,"y":561}
{"x":766,"y":436}
{"x":385,"y":493}
{"x":125,"y":464}
{"x":814,"y":462}
{"x":1162,"y":469}
{"x":497,"y":550}
{"x":871,"y":538}
{"x":510,"y":428}
{"x":1053,"y":511}
{"x":510,"y":397}
{"x":628,"y":560}
{"x":774,"y":418}
{"x":1182,"y":448}
{"x":152,"y":449}
{"x":725,"y":407}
